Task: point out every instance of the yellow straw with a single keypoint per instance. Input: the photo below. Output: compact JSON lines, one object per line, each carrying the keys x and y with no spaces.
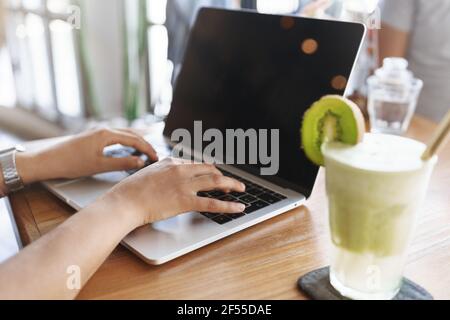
{"x":438,"y":138}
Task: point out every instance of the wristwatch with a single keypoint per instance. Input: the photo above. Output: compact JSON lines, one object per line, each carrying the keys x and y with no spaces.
{"x":11,"y":177}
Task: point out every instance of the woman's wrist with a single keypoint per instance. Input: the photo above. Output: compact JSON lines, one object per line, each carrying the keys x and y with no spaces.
{"x":28,"y":167}
{"x":36,"y":166}
{"x":117,"y":206}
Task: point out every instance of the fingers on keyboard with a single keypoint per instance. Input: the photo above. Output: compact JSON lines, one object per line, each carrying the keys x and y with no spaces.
{"x":255,"y":198}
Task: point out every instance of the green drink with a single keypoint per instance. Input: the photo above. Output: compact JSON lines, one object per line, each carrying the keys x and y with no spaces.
{"x":375,"y":190}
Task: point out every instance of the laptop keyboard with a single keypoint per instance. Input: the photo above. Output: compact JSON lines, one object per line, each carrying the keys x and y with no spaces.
{"x":255,"y":198}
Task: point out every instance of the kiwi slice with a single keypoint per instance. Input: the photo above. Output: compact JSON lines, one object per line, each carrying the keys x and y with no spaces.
{"x":332,"y":118}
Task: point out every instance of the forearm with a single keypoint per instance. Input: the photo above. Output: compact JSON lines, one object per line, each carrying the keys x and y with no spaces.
{"x":84,"y":241}
{"x":393,"y":42}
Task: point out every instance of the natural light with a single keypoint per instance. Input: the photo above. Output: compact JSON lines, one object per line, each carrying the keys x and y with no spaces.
{"x":39,"y":60}
{"x":7,"y":90}
{"x":278,"y":6}
{"x":67,"y":88}
{"x":158,"y":41}
{"x":156,"y":11}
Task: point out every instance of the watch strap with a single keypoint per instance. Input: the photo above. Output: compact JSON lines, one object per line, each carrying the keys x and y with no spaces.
{"x":11,"y":177}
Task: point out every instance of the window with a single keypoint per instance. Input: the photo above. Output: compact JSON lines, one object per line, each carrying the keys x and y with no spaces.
{"x":7,"y":90}
{"x":149,"y":73}
{"x":43,"y":51}
{"x":163,"y":71}
{"x":160,"y":68}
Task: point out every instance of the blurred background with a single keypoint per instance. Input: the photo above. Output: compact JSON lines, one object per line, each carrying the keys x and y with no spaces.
{"x":68,"y":65}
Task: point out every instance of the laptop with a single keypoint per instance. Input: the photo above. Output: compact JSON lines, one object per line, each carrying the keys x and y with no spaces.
{"x":242,"y":70}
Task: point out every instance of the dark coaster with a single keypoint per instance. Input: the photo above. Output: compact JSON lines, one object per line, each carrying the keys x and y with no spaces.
{"x":316,"y":285}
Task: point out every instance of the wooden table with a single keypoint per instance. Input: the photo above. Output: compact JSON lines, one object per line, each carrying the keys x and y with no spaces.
{"x":263,"y":262}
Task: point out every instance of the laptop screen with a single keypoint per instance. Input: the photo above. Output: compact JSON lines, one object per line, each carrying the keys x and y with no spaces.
{"x":244,"y":70}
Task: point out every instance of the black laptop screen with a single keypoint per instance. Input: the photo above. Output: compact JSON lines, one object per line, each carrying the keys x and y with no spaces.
{"x":253,"y":71}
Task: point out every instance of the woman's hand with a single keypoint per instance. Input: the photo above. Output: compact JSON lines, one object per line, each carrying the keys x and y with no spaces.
{"x":82,"y":156}
{"x":168,"y":188}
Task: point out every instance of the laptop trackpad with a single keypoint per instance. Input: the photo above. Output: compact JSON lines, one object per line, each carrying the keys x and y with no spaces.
{"x":180,"y":223}
{"x":82,"y":192}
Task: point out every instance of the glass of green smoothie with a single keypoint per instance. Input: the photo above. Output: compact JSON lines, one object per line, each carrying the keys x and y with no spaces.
{"x":375,"y":190}
{"x":375,"y":184}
